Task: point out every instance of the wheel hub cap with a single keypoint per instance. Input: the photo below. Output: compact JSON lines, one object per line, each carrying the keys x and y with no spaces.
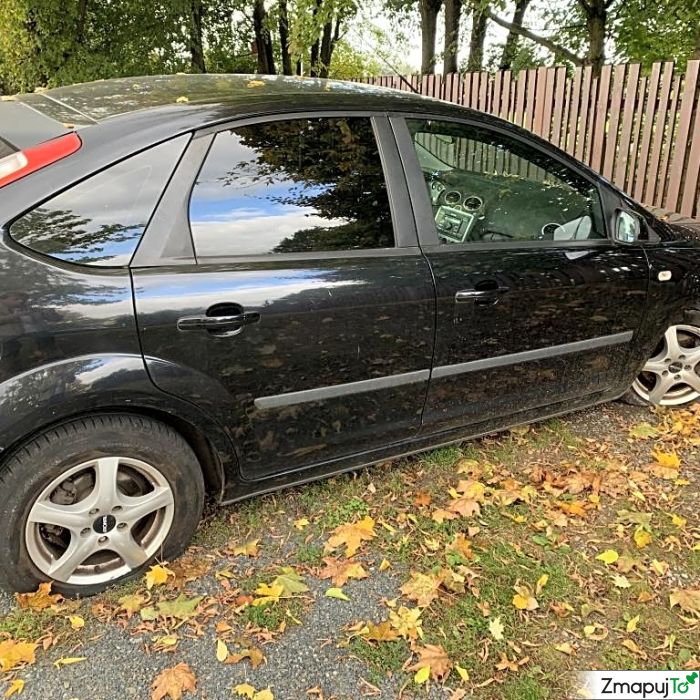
{"x":99,"y":520}
{"x":672,"y":376}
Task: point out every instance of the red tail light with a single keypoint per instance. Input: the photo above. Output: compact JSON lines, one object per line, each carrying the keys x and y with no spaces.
{"x":17,"y":165}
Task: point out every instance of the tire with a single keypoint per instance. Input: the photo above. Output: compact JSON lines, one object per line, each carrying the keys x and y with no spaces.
{"x":73,"y":473}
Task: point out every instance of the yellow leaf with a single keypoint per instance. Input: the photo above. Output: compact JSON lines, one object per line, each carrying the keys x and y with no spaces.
{"x":352,"y":535}
{"x":336,"y":593}
{"x":422,"y":675}
{"x":463,"y":673}
{"x":264,"y":695}
{"x":565,"y":648}
{"x":660,"y":568}
{"x":301,"y":523}
{"x":632,"y":624}
{"x":541,"y":583}
{"x":16,"y":688}
{"x":670,"y":460}
{"x":422,"y":588}
{"x":248,"y":549}
{"x":407,"y":622}
{"x":245,"y":690}
{"x":621,"y":581}
{"x":609,"y":556}
{"x":182,"y":98}
{"x":256,"y":83}
{"x":641,"y":537}
{"x":340,"y":571}
{"x":679,"y":522}
{"x":595,"y":632}
{"x":496,"y":628}
{"x":688,"y":600}
{"x":157,"y":575}
{"x":268,"y":594}
{"x":523,"y":599}
{"x":76,"y":622}
{"x":14,"y":654}
{"x":386,"y":564}
{"x":38,"y":600}
{"x":629,"y":644}
{"x":221,"y":651}
{"x":69,"y":661}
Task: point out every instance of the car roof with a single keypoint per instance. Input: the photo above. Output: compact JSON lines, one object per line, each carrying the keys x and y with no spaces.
{"x":88,"y":103}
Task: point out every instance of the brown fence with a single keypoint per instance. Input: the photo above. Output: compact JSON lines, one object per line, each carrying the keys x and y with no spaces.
{"x":640,"y":131}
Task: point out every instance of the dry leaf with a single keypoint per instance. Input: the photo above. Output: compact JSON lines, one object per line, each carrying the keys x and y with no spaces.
{"x":352,"y":535}
{"x":496,"y":628}
{"x":609,"y":556}
{"x":248,"y":549}
{"x":422,"y":588}
{"x":688,"y":601}
{"x":39,"y":600}
{"x":336,"y":593}
{"x":14,"y":654}
{"x":174,"y":682}
{"x":15,"y":688}
{"x":157,"y":575}
{"x":433,"y":657}
{"x":341,"y":570}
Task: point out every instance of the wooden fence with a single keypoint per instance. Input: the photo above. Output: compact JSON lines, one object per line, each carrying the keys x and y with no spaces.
{"x":640,"y":131}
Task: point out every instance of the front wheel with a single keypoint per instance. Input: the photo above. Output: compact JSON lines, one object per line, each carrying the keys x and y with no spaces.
{"x":96,"y":501}
{"x":671,"y":377}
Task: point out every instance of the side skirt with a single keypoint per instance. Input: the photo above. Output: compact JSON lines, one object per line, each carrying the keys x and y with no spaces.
{"x":240,"y":491}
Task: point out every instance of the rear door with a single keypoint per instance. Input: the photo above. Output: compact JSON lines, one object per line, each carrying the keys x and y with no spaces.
{"x":303,"y":320}
{"x":536,"y":306}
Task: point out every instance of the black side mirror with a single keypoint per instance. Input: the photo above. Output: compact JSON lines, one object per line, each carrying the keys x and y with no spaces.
{"x":629,"y":227}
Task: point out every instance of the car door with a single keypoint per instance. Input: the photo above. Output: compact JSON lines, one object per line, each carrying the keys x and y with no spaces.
{"x":536,"y":306}
{"x":303,"y":318}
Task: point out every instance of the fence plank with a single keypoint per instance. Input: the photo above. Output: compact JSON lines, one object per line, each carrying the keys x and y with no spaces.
{"x":679,"y":151}
{"x":558,"y":106}
{"x":614,"y":122}
{"x":659,"y":115}
{"x":600,"y":118}
{"x":623,"y":156}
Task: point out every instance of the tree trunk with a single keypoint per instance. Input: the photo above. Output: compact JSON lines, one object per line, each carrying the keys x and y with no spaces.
{"x":263,"y":41}
{"x":696,"y":53}
{"x":196,"y":43}
{"x":453,"y":10}
{"x":476,"y":44}
{"x":510,"y":49}
{"x":596,"y":18}
{"x":429,"y":10}
{"x":326,"y":50}
{"x":284,"y":38}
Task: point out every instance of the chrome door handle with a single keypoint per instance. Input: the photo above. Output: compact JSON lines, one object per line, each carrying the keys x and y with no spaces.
{"x":471,"y":294}
{"x":217,"y":323}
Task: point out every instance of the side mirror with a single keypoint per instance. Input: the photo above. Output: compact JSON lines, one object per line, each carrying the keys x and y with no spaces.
{"x":629,"y":228}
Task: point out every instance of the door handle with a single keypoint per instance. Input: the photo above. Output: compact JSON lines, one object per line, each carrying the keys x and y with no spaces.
{"x":472,"y":294}
{"x":218,"y":323}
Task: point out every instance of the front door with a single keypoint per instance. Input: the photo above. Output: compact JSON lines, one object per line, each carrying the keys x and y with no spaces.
{"x":306,"y":325}
{"x":535,"y":305}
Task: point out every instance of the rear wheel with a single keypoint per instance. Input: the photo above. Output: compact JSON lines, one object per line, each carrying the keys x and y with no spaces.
{"x":671,"y":377}
{"x":96,"y":501}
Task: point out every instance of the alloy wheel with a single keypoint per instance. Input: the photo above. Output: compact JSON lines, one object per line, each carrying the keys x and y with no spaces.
{"x":672,"y":376}
{"x":99,"y":520}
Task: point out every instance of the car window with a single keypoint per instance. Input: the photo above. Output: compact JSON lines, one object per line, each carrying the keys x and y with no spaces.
{"x":291,"y":186}
{"x":101,"y":220}
{"x":486,"y":187}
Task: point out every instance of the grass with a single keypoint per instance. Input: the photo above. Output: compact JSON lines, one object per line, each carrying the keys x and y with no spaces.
{"x":27,"y":624}
{"x":384,"y":658}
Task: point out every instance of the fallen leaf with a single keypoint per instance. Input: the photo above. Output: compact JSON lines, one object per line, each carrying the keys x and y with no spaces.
{"x":254,"y":654}
{"x":248,"y":549}
{"x":688,"y":601}
{"x":642,"y":538}
{"x":131,"y":604}
{"x":182,"y":608}
{"x":422,"y":588}
{"x":463,"y":673}
{"x":386,"y":564}
{"x":267,"y":594}
{"x":15,"y":688}
{"x":422,"y":675}
{"x":383,"y":632}
{"x":157,"y":575}
{"x":541,"y":583}
{"x":496,"y":628}
{"x":301,"y":523}
{"x":182,"y":98}
{"x":631,"y":646}
{"x":407,"y":622}
{"x":221,"y":651}
{"x":632,"y":624}
{"x":76,"y":622}
{"x":14,"y":654}
{"x":39,"y":600}
{"x":173,"y":682}
{"x":620,"y":581}
{"x":336,"y":593}
{"x":290,"y":581}
{"x":352,"y":535}
{"x":69,"y":661}
{"x":256,"y":83}
{"x":565,"y":648}
{"x":609,"y":556}
{"x":435,"y":659}
{"x":341,"y":570}
{"x":523,"y":599}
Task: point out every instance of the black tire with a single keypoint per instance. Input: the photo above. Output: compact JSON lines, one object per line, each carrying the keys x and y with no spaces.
{"x":632,"y":398}
{"x":42,"y":459}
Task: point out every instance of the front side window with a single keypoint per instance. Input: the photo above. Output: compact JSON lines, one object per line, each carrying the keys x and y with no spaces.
{"x":100,"y":221}
{"x":300,"y":185}
{"x":486,"y":187}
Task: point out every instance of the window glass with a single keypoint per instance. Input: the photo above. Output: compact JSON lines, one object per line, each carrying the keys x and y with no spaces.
{"x":291,"y":186}
{"x":485,"y":187}
{"x":100,"y":221}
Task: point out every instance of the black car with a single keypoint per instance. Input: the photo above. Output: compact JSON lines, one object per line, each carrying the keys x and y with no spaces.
{"x":223,"y":285}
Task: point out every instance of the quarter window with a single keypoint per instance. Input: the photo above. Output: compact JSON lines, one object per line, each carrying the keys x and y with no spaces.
{"x":486,"y":187}
{"x":292,"y":186}
{"x":101,"y":220}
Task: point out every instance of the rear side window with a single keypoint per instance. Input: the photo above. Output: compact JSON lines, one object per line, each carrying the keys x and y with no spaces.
{"x":101,"y":220}
{"x":299,"y":185}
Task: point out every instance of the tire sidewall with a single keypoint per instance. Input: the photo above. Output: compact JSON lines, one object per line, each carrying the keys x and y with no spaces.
{"x":30,"y":471}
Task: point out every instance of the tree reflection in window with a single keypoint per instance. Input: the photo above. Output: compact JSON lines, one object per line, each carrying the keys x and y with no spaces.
{"x":292,"y":186}
{"x":100,"y":220}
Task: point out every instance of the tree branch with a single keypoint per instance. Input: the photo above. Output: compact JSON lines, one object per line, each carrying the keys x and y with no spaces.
{"x":542,"y":40}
